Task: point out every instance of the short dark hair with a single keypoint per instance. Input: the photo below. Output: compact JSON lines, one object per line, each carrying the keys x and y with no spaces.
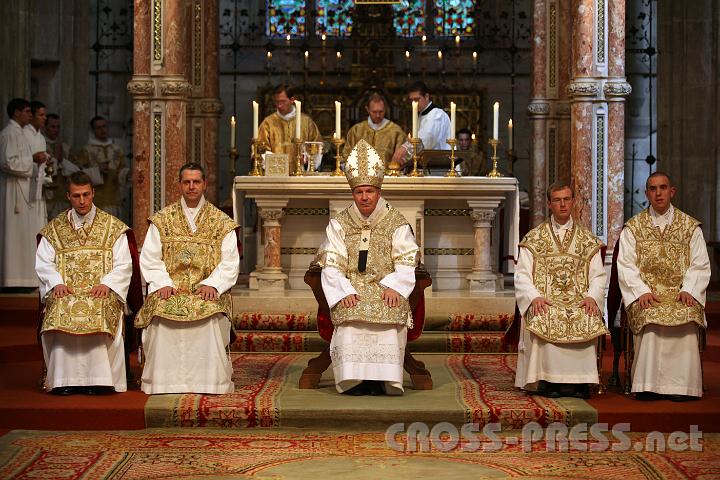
{"x":191,"y":166}
{"x":16,"y":104}
{"x":53,"y":116}
{"x":376,"y":97}
{"x":36,"y":105}
{"x":559,"y":185}
{"x":465,"y":131}
{"x":95,"y":119}
{"x":658,"y":173}
{"x":419,"y":86}
{"x":78,"y":179}
{"x":284,"y":88}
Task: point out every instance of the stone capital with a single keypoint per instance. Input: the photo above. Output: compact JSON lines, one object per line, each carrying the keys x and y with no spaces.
{"x":539,"y":108}
{"x":617,"y":88}
{"x":482,"y":217}
{"x":205,"y":107}
{"x":583,"y":88}
{"x":175,"y":88}
{"x":141,"y":87}
{"x":271,"y":216}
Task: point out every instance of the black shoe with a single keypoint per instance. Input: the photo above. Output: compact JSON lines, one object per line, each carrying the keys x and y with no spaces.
{"x":549,"y":389}
{"x":64,"y":391}
{"x":614,"y":380}
{"x":647,"y":396}
{"x":98,"y":390}
{"x":582,"y":390}
{"x":682,"y":398}
{"x":357,"y":390}
{"x":375,"y":387}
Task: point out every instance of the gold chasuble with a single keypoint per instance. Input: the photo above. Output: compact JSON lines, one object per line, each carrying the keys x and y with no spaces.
{"x":189,"y":258}
{"x":384,"y":140}
{"x":278,"y":134}
{"x":83,"y":257}
{"x":561,"y":274}
{"x":663,"y":258}
{"x":378,"y":236}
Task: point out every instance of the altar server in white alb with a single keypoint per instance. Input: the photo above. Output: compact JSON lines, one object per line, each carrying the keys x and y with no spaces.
{"x":84,"y":265}
{"x":433,"y":123}
{"x":190,"y":261}
{"x":560,"y":292}
{"x":663,"y":271}
{"x":368,"y":258}
{"x":34,"y":133}
{"x":17,"y":208}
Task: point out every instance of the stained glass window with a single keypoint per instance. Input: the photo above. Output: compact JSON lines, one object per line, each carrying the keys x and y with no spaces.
{"x":334,"y":17}
{"x":454,"y":17}
{"x":285,"y":17}
{"x":409,"y":18}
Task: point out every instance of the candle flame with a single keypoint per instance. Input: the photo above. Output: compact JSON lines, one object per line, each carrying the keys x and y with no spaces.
{"x":338,"y":54}
{"x":457,"y":39}
{"x":407,"y":53}
{"x":439,"y":54}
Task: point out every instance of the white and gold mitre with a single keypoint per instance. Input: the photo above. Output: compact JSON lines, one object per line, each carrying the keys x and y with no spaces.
{"x":364,"y":166}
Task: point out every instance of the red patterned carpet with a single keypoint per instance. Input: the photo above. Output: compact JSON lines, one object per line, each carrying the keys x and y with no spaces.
{"x":311,"y":454}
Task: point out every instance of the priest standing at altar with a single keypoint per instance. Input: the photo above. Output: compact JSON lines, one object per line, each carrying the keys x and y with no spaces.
{"x":384,"y":135}
{"x":560,"y":292}
{"x":664,"y":271}
{"x":368,"y":262}
{"x":433,"y":124}
{"x":278,"y":130}
{"x":190,"y":261}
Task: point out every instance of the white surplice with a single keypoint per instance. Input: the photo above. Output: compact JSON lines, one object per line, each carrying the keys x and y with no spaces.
{"x":85,"y":360}
{"x":667,"y":359}
{"x":39,"y":177}
{"x":433,"y":129}
{"x":360,"y":350}
{"x":182,"y":357}
{"x":17,"y":225}
{"x":539,"y":359}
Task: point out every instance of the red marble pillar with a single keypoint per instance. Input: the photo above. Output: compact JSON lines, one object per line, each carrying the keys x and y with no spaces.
{"x":562,"y":106}
{"x":539,"y":110}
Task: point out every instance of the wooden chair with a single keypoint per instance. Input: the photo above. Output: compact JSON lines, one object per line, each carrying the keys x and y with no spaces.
{"x":419,"y":375}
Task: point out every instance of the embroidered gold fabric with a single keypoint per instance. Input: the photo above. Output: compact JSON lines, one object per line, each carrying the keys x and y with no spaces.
{"x":663,"y":258}
{"x":371,"y":308}
{"x":83,"y":257}
{"x":189,"y":258}
{"x":364,"y":166}
{"x":561,"y":274}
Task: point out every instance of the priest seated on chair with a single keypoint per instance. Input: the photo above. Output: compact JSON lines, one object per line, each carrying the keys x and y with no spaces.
{"x":368,"y":262}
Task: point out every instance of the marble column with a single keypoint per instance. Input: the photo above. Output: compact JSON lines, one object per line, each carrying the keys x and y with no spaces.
{"x":204,"y":108}
{"x":271,"y":277}
{"x":482,"y":278}
{"x":539,"y":109}
{"x":160,"y":93}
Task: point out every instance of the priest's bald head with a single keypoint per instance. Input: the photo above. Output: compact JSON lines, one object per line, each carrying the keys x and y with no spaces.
{"x":365,"y":170}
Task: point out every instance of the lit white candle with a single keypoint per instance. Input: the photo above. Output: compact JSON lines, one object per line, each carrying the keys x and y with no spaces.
{"x":457,"y":40}
{"x":255,"y":118}
{"x":298,"y":130}
{"x":510,"y":134}
{"x":414,"y":119}
{"x":452,"y":120}
{"x":337,"y":120}
{"x":232,"y":131}
{"x":496,"y":119}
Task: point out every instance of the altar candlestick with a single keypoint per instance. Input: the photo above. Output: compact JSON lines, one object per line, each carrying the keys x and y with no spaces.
{"x":496,"y":118}
{"x":232,"y":131}
{"x":337,"y":119}
{"x":452,"y":120}
{"x":298,"y":130}
{"x":510,"y":134}
{"x":414,"y":119}
{"x":255,"y":118}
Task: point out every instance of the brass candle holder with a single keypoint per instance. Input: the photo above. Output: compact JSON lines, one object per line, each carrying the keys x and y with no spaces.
{"x":415,"y":173}
{"x":233,"y":158}
{"x":255,"y":154}
{"x":338,"y":142}
{"x":298,"y":171}
{"x":494,"y":173}
{"x":452,"y":173}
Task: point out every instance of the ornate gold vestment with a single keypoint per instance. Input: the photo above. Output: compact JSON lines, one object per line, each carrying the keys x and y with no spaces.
{"x":277,"y":134}
{"x":663,"y":258}
{"x":371,"y":308}
{"x":83,"y":257}
{"x":385,"y":140}
{"x":561,"y":274}
{"x":189,"y":258}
